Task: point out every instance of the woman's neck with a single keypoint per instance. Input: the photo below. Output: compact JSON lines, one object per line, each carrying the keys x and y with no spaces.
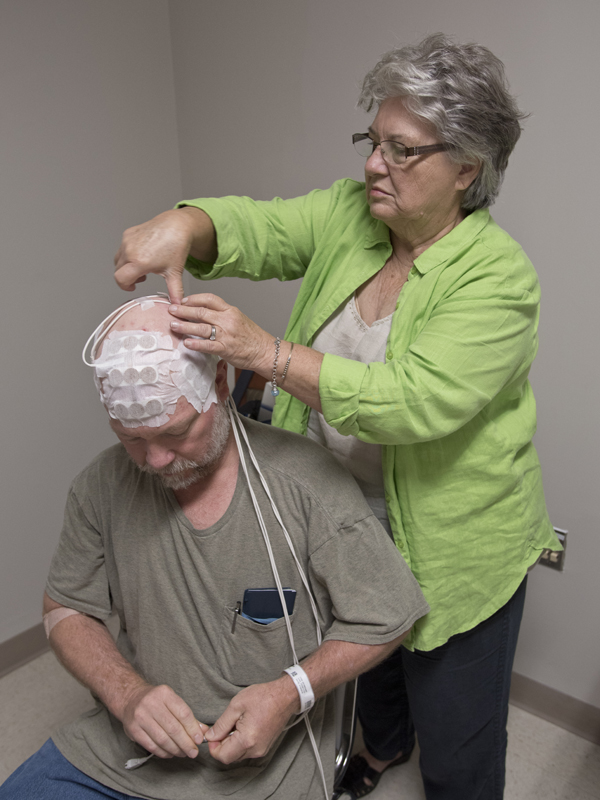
{"x":412,"y":239}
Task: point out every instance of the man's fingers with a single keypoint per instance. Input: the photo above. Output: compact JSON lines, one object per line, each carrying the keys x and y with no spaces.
{"x":150,"y":745}
{"x":224,"y":725}
{"x":192,"y":731}
{"x":166,"y":720}
{"x":230,"y":750}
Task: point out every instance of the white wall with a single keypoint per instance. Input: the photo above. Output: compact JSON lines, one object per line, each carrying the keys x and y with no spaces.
{"x":265,"y":98}
{"x":88,"y":147}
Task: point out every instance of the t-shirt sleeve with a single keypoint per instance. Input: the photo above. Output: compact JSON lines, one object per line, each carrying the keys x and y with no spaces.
{"x":78,"y":576}
{"x":373,"y":594}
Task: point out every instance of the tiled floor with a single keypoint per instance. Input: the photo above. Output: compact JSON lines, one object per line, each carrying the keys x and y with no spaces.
{"x":544,"y":762}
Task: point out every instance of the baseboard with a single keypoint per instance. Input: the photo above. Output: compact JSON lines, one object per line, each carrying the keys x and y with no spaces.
{"x":22,"y":648}
{"x":567,"y":712}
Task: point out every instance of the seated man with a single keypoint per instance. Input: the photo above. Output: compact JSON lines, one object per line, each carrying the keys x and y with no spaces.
{"x":161,"y":530}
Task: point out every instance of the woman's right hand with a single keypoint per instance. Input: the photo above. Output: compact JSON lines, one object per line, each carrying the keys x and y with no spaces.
{"x":161,"y":246}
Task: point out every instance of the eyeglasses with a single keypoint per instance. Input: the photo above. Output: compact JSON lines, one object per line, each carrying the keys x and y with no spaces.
{"x":391,"y":152}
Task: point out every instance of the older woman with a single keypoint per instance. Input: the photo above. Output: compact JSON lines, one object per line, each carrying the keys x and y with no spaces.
{"x":407,"y":354}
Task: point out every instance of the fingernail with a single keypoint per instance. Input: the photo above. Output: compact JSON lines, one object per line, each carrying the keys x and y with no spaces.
{"x":193,"y":753}
{"x":173,"y":308}
{"x":199,"y":738}
{"x":209,"y":733}
{"x":175,"y":326}
{"x":184,"y":300}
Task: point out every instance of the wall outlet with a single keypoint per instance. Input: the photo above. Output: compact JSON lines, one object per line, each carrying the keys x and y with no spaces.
{"x":556,"y":558}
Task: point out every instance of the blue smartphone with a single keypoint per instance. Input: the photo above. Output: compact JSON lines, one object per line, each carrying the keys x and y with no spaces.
{"x":264,"y":605}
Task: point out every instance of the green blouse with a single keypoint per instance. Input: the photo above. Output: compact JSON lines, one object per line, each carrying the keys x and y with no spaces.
{"x":452,"y":404}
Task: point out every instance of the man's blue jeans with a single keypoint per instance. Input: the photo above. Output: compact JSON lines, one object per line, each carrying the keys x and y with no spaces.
{"x":47,"y":775}
{"x":456,"y":698}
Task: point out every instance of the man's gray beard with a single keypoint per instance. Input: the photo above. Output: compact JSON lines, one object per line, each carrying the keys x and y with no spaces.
{"x":177,"y":474}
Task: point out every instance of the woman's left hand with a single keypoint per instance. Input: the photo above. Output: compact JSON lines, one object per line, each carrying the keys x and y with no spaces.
{"x":237,"y":339}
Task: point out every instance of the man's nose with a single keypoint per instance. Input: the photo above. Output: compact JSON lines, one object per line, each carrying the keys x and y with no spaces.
{"x":158,"y":457}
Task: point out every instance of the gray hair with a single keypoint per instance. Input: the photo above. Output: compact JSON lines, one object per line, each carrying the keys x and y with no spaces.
{"x":462,"y":91}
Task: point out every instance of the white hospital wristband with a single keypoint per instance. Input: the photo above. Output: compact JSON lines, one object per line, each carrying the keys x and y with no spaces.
{"x":300,"y":678}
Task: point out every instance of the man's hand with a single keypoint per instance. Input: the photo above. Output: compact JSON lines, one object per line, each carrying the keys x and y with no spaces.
{"x":162,"y":723}
{"x":255,"y":717}
{"x":162,"y":246}
{"x":153,"y":716}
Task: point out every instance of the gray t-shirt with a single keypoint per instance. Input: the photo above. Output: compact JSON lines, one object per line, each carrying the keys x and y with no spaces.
{"x":127,"y":547}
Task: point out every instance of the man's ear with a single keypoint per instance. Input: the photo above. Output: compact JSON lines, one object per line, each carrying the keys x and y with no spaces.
{"x":221,"y":385}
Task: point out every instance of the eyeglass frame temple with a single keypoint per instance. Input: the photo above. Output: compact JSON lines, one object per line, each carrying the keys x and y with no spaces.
{"x":425,"y":148}
{"x":408,"y":151}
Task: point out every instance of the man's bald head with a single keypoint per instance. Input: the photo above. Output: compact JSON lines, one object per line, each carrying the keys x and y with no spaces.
{"x":149,"y":316}
{"x":142,"y":367}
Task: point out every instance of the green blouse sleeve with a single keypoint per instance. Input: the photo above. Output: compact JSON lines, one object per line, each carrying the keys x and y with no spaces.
{"x":480,"y":338}
{"x":265,"y":239}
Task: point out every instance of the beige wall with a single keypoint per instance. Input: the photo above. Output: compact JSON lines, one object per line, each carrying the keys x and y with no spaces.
{"x":266,"y":93}
{"x":261,"y":95}
{"x":88,"y":146}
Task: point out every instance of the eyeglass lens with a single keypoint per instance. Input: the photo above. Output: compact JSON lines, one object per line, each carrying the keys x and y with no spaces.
{"x":391,"y":151}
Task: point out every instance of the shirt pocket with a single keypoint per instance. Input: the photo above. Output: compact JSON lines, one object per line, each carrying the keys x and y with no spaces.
{"x":253,"y":653}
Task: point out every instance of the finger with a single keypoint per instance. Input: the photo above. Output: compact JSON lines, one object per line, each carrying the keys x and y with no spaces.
{"x":165,"y":734}
{"x":206,"y":346}
{"x":203,"y":329}
{"x":184,"y":714}
{"x":182,"y":727}
{"x":193,"y":314}
{"x":174,"y":287}
{"x":232,"y":749}
{"x":224,"y":725}
{"x":142,"y":738}
{"x":128,"y":275}
{"x":205,"y":300}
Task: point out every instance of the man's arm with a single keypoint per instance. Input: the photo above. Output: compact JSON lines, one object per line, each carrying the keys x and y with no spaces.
{"x":257,"y":715}
{"x":153,"y":716}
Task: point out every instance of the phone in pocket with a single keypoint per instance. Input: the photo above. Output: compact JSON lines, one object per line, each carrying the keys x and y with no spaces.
{"x":264,"y":605}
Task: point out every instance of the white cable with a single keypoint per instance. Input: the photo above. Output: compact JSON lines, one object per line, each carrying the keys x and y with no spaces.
{"x":235,"y":420}
{"x":109,"y":321}
{"x":285,"y":532}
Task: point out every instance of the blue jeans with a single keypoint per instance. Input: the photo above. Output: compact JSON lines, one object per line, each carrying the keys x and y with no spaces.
{"x":456,"y":699}
{"x":47,"y":775}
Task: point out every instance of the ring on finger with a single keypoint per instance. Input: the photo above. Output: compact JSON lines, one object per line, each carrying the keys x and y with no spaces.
{"x":213,"y":333}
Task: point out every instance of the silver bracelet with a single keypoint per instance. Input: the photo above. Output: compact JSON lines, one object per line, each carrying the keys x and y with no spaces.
{"x":287,"y":363}
{"x":274,"y":389}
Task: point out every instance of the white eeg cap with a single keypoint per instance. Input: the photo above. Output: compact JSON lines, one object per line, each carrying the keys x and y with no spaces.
{"x":141,"y":374}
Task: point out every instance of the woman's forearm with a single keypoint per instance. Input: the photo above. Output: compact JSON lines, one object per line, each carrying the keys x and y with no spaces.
{"x":302,"y":376}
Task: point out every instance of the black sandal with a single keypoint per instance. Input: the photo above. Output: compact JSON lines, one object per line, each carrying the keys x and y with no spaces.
{"x":359,"y":769}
